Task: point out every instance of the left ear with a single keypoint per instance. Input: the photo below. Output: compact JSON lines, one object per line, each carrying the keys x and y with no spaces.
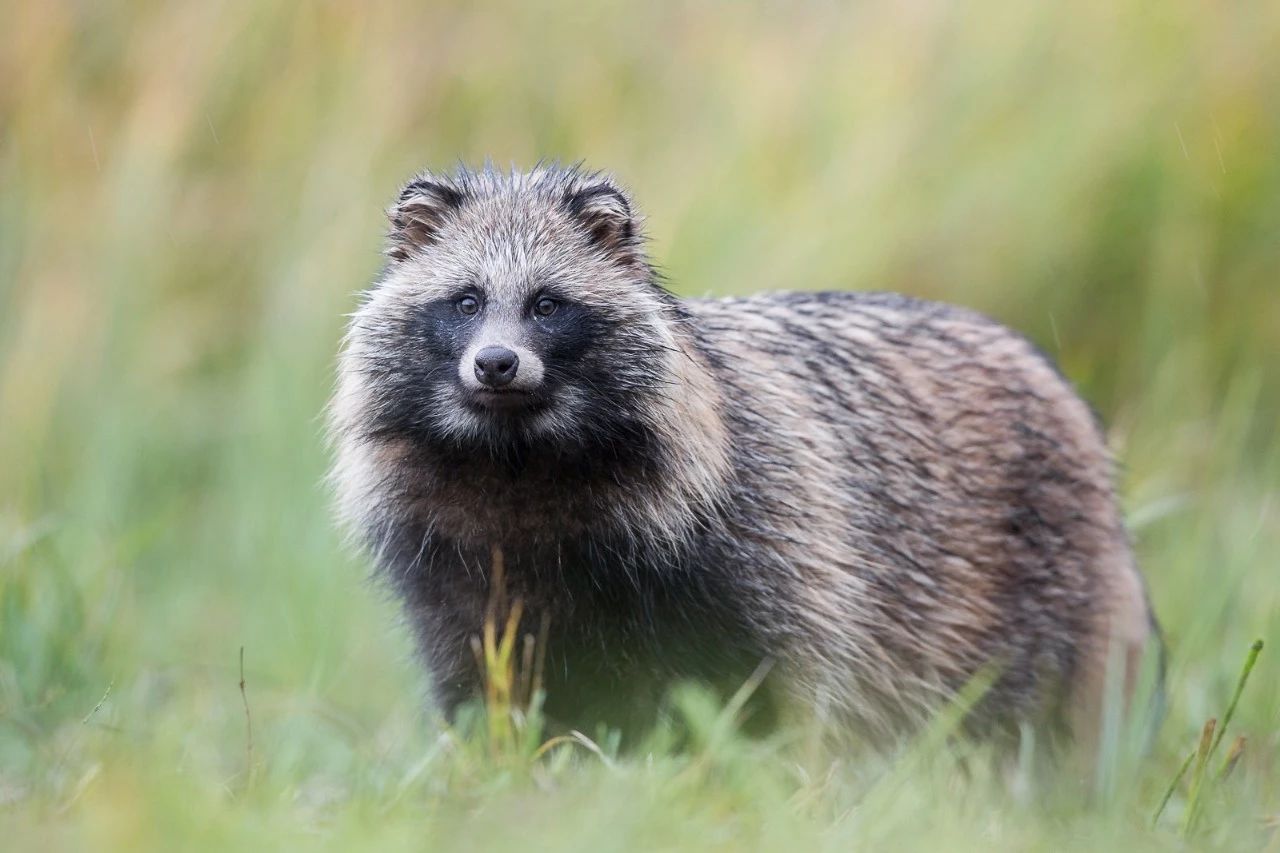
{"x":603,"y":210}
{"x":424,"y":205}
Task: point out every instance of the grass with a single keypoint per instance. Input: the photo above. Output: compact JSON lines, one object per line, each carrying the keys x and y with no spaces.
{"x":190,"y":196}
{"x":1210,"y":739}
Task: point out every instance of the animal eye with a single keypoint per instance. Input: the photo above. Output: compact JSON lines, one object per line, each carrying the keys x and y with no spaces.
{"x":468,"y":305}
{"x":545,"y":307}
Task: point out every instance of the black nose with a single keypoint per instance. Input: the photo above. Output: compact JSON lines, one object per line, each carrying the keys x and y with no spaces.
{"x":496,"y":366}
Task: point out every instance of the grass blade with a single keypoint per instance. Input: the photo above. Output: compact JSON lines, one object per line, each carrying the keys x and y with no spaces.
{"x":1212,"y":737}
{"x":1173,"y":786}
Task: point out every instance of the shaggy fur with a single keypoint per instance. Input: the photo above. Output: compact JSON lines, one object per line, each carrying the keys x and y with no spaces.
{"x":881,"y":496}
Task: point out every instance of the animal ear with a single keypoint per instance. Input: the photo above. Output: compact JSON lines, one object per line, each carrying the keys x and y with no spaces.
{"x":423,"y":207}
{"x":605,"y":213}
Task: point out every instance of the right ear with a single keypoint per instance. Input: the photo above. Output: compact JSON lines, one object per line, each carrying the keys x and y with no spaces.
{"x":603,"y":210}
{"x":423,"y":207}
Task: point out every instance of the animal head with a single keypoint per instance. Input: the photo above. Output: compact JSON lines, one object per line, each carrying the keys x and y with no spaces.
{"x":517,"y":311}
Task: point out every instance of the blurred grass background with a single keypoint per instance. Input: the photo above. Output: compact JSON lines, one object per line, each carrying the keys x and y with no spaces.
{"x":191,"y":195}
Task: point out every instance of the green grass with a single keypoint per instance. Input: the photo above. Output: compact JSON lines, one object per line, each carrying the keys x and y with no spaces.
{"x":190,"y":196}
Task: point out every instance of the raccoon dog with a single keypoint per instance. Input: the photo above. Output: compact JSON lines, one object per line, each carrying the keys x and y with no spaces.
{"x":877,"y":496}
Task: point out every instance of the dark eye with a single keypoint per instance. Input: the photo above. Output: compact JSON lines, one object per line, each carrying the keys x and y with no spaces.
{"x":468,"y":305}
{"x":545,"y":307}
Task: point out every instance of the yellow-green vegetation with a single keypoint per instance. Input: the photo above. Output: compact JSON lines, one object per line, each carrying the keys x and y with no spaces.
{"x":190,"y":197}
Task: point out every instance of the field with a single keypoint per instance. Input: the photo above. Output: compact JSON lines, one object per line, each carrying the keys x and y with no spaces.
{"x":191,"y":196}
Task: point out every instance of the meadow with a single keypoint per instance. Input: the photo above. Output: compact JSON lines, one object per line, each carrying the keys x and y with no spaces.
{"x":191,"y":198}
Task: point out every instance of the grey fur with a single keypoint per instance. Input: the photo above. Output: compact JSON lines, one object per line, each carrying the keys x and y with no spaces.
{"x":883,"y":496}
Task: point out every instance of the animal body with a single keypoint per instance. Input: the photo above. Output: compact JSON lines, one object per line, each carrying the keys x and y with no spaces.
{"x":879,"y":496}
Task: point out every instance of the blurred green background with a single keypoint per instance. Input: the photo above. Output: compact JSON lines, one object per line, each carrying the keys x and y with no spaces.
{"x":191,"y":197}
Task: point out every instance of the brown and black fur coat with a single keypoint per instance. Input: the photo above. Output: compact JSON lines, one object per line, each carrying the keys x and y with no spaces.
{"x":882,"y":497}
